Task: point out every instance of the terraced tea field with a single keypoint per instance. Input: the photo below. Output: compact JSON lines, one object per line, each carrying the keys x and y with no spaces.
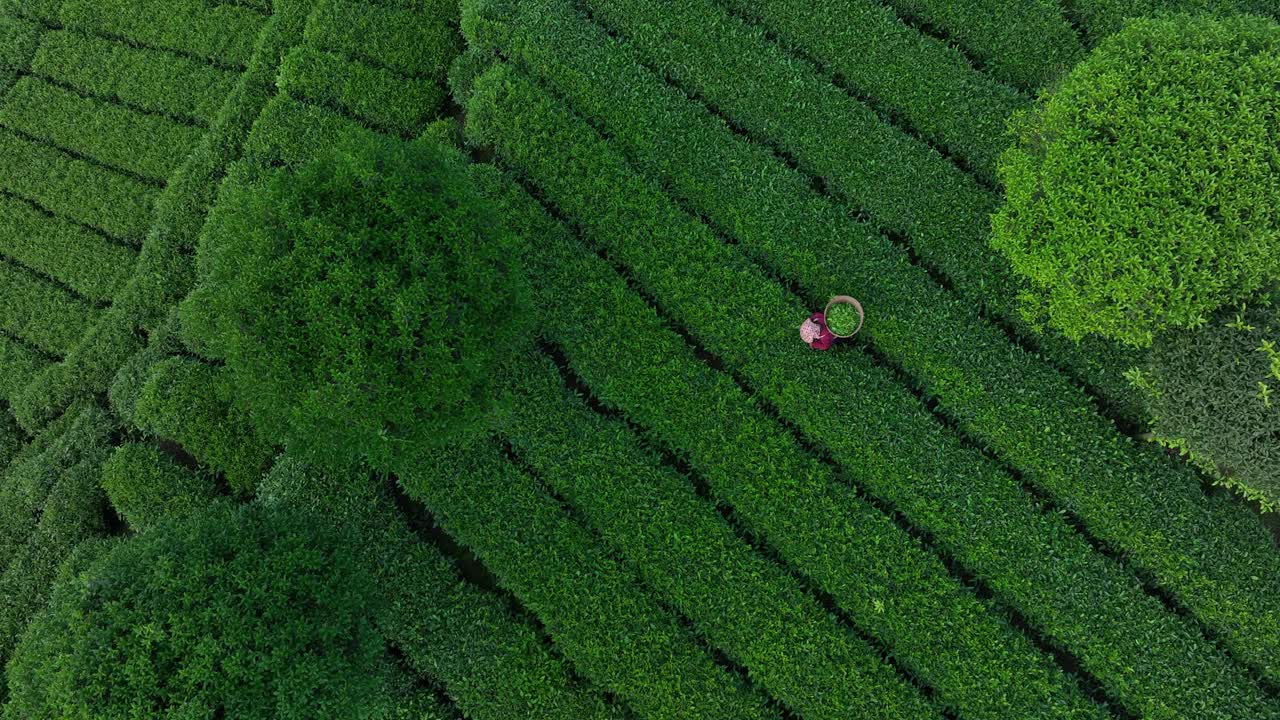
{"x":683,"y":512}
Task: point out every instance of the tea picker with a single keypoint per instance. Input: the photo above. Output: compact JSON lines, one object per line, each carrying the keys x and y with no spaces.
{"x":842,"y":318}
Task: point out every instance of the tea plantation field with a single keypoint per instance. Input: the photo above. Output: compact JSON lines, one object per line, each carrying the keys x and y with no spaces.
{"x":681,"y":511}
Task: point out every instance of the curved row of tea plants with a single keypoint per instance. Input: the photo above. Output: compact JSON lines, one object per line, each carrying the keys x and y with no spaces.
{"x":885,"y":440}
{"x":899,"y":594}
{"x":1025,"y":411}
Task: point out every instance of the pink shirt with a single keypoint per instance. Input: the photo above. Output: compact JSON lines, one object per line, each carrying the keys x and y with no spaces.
{"x":824,"y":337}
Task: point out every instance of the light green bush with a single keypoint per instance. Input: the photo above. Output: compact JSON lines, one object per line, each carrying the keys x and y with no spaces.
{"x":1142,"y":191}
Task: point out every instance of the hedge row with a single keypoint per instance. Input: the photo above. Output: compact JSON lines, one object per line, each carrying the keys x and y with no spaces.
{"x":418,"y":44}
{"x":1100,"y":18}
{"x":741,"y":603}
{"x":70,"y":513}
{"x":152,"y":80}
{"x":18,"y":41}
{"x":917,"y":78}
{"x":164,"y":274}
{"x":900,"y":594}
{"x":12,"y":438}
{"x":85,"y":261}
{"x":146,"y":485}
{"x":41,"y":313}
{"x":1027,"y":43}
{"x":1132,"y":498}
{"x":40,"y":10}
{"x":81,"y":191}
{"x":1148,"y":659}
{"x":290,"y":132}
{"x":148,"y":145}
{"x":26,"y":483}
{"x":19,"y":363}
{"x":904,"y":186}
{"x":380,"y":97}
{"x":599,"y":615}
{"x":224,"y":34}
{"x":495,"y":666}
{"x":190,"y":403}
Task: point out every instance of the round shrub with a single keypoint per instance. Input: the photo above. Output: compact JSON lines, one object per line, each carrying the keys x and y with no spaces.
{"x":1214,"y":393}
{"x":1141,"y":192}
{"x":249,"y":613}
{"x":362,"y":303}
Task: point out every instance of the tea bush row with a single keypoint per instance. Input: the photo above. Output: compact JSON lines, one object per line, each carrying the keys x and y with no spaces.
{"x":899,"y":594}
{"x":870,"y":424}
{"x":18,"y":41}
{"x":223,"y":34}
{"x":191,"y":403}
{"x":384,"y":99}
{"x":152,"y":80}
{"x":1024,"y":410}
{"x":905,"y":187}
{"x":25,"y":484}
{"x":600,"y":616}
{"x":1027,"y":43}
{"x":493,"y":664}
{"x":146,"y":485}
{"x":75,"y":189}
{"x":416,"y":44}
{"x":41,"y":313}
{"x":911,"y":76}
{"x":93,"y":266}
{"x":746,"y":606}
{"x":148,"y":145}
{"x":69,"y":513}
{"x":1099,"y":18}
{"x":21,"y":363}
{"x":164,"y":274}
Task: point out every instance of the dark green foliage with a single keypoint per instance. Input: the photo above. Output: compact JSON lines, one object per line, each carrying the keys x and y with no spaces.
{"x":192,"y":404}
{"x":19,"y":363}
{"x":222,"y":33}
{"x":261,"y":611}
{"x":163,"y":273}
{"x":376,"y":95}
{"x":361,"y":304}
{"x":146,"y":485}
{"x":885,"y":440}
{"x":93,"y":266}
{"x":599,"y":614}
{"x":925,"y":82}
{"x":116,"y":204}
{"x":903,"y":186}
{"x":148,"y":145}
{"x":1141,"y":191}
{"x":1214,"y":393}
{"x":419,"y":44}
{"x":18,"y":40}
{"x":494,"y":666}
{"x":43,"y":10}
{"x":41,"y":313}
{"x":149,"y":79}
{"x":1023,"y":42}
{"x":12,"y":438}
{"x":134,"y":373}
{"x":291,"y":133}
{"x":52,"y":502}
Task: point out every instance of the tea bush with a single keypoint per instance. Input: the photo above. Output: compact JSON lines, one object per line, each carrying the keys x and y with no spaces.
{"x":1141,"y":193}
{"x":1215,"y":394}
{"x":255,"y":610}
{"x":145,"y":485}
{"x":361,"y":303}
